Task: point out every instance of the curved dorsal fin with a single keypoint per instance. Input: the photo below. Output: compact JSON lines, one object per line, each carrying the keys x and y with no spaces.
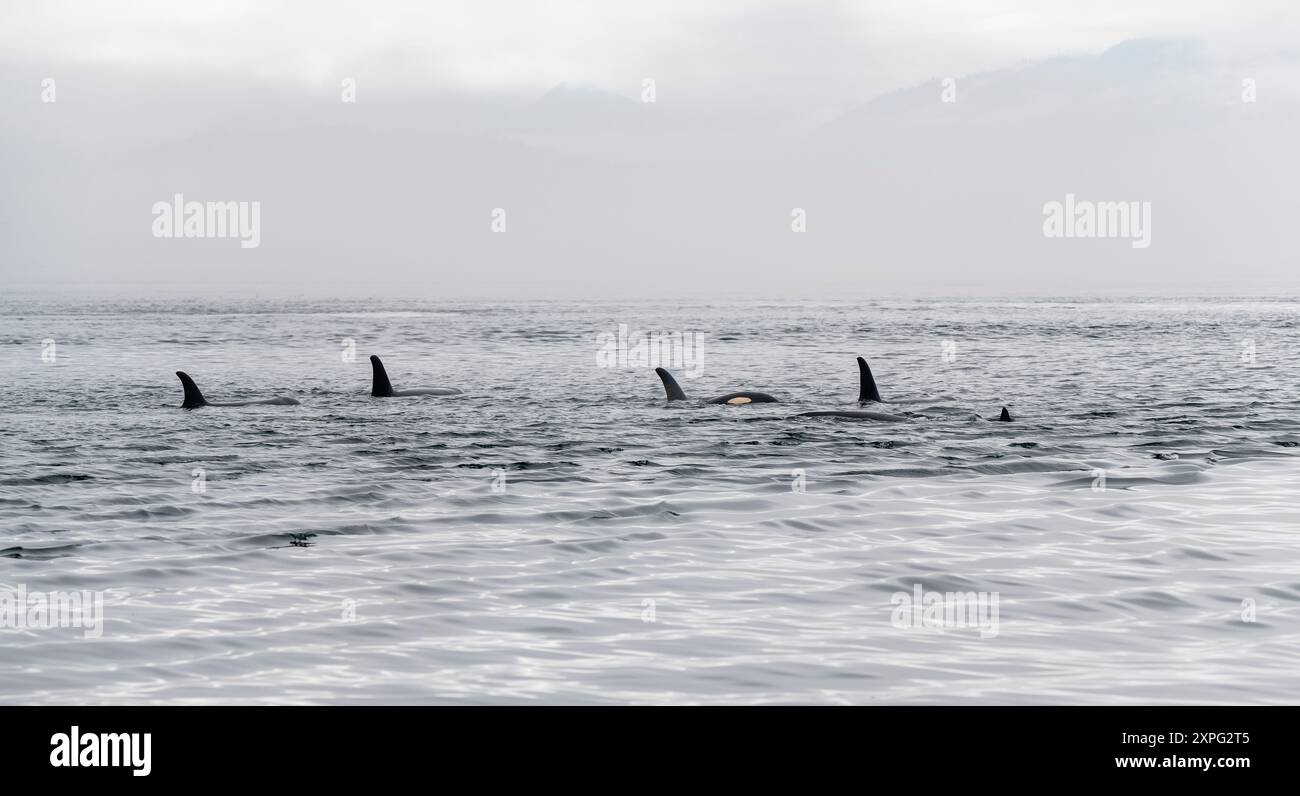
{"x":193,"y":398}
{"x":866,"y":385}
{"x":671,"y":388}
{"x":379,"y":386}
{"x":1005,"y":417}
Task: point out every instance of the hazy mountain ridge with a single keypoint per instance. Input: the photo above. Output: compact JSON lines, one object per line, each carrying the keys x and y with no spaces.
{"x":905,"y":193}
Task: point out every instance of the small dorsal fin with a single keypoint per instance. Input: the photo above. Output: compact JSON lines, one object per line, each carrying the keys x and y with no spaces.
{"x":193,"y":398}
{"x":867,"y":386}
{"x":1005,"y":417}
{"x":380,"y":387}
{"x":671,"y":388}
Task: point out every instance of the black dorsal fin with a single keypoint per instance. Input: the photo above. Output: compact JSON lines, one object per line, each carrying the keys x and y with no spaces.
{"x":867,"y":386}
{"x":193,"y":398}
{"x":671,"y":388}
{"x":380,"y":386}
{"x":1005,"y":417}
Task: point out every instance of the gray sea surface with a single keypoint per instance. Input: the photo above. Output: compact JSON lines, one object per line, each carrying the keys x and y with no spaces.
{"x":560,"y":534}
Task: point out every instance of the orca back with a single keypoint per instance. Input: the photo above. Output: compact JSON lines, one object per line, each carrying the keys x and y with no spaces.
{"x":739,"y":398}
{"x":858,"y":415}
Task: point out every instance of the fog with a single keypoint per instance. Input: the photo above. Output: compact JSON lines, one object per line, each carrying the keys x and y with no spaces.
{"x":789,"y":151}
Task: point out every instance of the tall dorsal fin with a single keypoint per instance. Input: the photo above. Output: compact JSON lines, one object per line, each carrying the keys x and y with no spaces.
{"x":193,"y":398}
{"x":380,"y":387}
{"x":1005,"y":417}
{"x":867,"y":386}
{"x":671,"y":388}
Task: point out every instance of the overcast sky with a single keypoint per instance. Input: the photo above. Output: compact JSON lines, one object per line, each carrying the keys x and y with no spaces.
{"x":761,"y":108}
{"x":709,"y":50}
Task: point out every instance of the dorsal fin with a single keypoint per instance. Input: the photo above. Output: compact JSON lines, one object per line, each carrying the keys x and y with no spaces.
{"x":867,"y":386}
{"x":380,"y":386}
{"x":1005,"y":417}
{"x":671,"y":388}
{"x":193,"y":398}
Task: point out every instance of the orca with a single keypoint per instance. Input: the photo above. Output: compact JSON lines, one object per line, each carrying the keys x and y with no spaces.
{"x":1005,"y":417}
{"x":855,"y":415}
{"x":675,"y":393}
{"x":867,"y":393}
{"x":194,"y":399}
{"x":381,"y":387}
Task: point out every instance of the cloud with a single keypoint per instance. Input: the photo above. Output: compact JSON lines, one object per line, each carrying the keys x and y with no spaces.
{"x":607,"y":195}
{"x":716,"y":51}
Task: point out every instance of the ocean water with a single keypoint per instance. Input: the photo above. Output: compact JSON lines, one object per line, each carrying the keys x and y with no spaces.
{"x":559,"y":534}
